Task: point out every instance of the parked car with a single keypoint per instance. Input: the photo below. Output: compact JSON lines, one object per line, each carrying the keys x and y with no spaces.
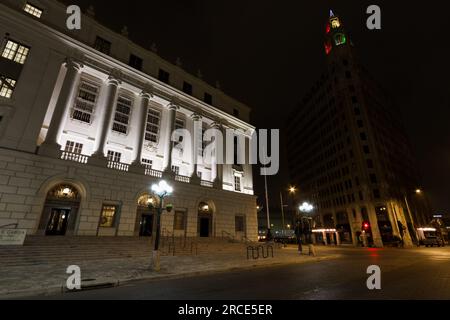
{"x":432,"y":241}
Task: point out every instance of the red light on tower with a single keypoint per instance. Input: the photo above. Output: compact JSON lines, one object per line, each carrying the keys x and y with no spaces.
{"x":328,"y":28}
{"x":366,"y":226}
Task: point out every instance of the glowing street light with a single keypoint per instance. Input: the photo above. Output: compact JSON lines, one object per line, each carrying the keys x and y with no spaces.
{"x":162,"y":190}
{"x":306,"y":207}
{"x":418,"y":191}
{"x":292,"y":190}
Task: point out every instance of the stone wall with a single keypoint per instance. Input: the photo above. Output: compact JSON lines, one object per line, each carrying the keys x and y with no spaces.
{"x":25,"y":180}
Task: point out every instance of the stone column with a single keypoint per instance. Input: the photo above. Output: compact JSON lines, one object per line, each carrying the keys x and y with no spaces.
{"x":217,"y":164}
{"x":168,"y":144}
{"x":50,"y":147}
{"x":136,"y":165}
{"x":376,"y":236}
{"x":197,"y":130}
{"x":112,"y":85}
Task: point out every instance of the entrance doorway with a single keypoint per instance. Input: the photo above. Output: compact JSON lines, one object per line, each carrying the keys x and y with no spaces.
{"x":146,"y":229}
{"x":60,"y":211}
{"x":205,"y":220}
{"x":57,"y":224}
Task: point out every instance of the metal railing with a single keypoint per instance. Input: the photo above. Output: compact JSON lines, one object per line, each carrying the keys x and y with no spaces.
{"x":258,"y":252}
{"x":75,"y":157}
{"x":118,"y":166}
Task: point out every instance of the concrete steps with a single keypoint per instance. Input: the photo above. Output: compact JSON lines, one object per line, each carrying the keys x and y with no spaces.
{"x":68,"y":250}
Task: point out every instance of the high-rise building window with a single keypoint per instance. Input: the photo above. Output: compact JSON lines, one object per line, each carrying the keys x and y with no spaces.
{"x":73,"y":147}
{"x":7,"y":86}
{"x":85,"y":102}
{"x":360,"y":124}
{"x":108,"y":216}
{"x":187,"y":88}
{"x":136,"y":62}
{"x":153,"y":126}
{"x":354,"y":99}
{"x":369,"y":163}
{"x":163,"y":76}
{"x":102,"y":45}
{"x":376,"y":194}
{"x":114,"y":156}
{"x":15,"y":51}
{"x":363,"y":136}
{"x":366,"y":149}
{"x":373,"y":178}
{"x":122,"y":116}
{"x":33,"y":10}
{"x":208,"y":98}
{"x":236,"y":113}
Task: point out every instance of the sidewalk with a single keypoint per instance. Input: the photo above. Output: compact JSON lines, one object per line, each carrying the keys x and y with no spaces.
{"x":51,"y":279}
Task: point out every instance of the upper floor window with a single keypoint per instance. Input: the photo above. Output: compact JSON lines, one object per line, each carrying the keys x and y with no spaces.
{"x":163,"y":76}
{"x":236,"y":113}
{"x":136,"y":62}
{"x":201,"y":142}
{"x":208,"y":98}
{"x":114,"y":156}
{"x":122,"y":116}
{"x":7,"y":87}
{"x":85,"y":102}
{"x":153,"y":126}
{"x":102,"y":45}
{"x":237,"y":183}
{"x":15,"y":51}
{"x":179,"y":124}
{"x":147,"y":162}
{"x":187,"y":88}
{"x":34,"y":11}
{"x":176,"y":170}
{"x":73,"y":147}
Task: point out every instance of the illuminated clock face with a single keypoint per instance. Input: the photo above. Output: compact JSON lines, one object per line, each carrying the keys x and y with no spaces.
{"x":335,"y":23}
{"x":340,"y":39}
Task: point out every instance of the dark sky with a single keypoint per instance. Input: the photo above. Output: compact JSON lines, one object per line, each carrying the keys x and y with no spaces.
{"x":268,"y":53}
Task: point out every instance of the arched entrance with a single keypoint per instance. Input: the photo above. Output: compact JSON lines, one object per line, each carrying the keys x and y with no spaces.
{"x":60,"y":211}
{"x":205,"y":220}
{"x":145,"y":216}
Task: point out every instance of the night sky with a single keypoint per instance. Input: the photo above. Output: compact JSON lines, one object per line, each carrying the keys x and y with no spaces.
{"x":268,"y":54}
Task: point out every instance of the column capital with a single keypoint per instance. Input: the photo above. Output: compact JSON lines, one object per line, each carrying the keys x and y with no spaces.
{"x":216,"y":125}
{"x":115,"y":77}
{"x":147,"y":91}
{"x":174,"y":103}
{"x":73,"y":63}
{"x":196,"y":116}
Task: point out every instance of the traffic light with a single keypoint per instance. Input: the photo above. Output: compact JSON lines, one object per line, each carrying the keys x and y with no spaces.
{"x":366,"y":226}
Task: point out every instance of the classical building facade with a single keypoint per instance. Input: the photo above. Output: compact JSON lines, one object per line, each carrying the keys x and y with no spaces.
{"x":350,"y":155}
{"x":86,"y":122}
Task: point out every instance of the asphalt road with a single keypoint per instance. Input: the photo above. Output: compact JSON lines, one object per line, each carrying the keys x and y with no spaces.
{"x":405,"y":274}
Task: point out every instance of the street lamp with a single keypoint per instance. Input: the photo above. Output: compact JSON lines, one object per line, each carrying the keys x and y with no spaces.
{"x":307,"y":208}
{"x":162,"y":190}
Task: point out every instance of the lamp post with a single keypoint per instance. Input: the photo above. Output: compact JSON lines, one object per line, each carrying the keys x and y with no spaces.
{"x":162,"y":190}
{"x":307,"y":208}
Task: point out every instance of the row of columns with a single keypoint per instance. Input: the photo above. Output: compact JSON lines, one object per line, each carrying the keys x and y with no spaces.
{"x":50,"y":147}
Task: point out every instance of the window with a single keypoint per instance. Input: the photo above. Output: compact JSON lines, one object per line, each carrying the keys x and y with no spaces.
{"x":147,"y":162}
{"x":187,"y":88}
{"x":114,"y":156}
{"x":360,"y":124}
{"x":15,"y":51}
{"x":237,"y":183}
{"x":136,"y":62}
{"x":369,"y":164}
{"x":363,"y":136}
{"x":179,"y":220}
{"x":373,"y":178}
{"x":179,"y":124}
{"x":239,"y":223}
{"x":357,"y":112}
{"x":200,"y":175}
{"x":201,"y":143}
{"x":208,"y":98}
{"x":73,"y":147}
{"x":348,"y":74}
{"x":176,"y":170}
{"x":153,"y":125}
{"x":366,"y":149}
{"x":102,"y":45}
{"x":376,"y":194}
{"x":108,"y":216}
{"x":236,"y":113}
{"x":85,"y":102}
{"x":354,"y":99}
{"x":122,"y":116}
{"x":34,"y":11}
{"x":7,"y":87}
{"x":163,"y":76}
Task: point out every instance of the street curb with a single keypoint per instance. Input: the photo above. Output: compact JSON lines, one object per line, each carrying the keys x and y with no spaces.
{"x":60,"y":289}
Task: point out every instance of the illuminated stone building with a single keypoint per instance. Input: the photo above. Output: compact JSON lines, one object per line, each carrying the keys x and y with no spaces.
{"x":349,"y":154}
{"x":86,"y":118}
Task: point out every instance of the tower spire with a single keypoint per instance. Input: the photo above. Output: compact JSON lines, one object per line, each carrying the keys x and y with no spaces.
{"x":331,"y":13}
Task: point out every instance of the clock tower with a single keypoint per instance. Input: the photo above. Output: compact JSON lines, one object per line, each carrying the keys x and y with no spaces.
{"x":336,"y":38}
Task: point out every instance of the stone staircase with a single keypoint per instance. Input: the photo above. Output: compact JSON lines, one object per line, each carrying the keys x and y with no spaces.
{"x":39,"y":250}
